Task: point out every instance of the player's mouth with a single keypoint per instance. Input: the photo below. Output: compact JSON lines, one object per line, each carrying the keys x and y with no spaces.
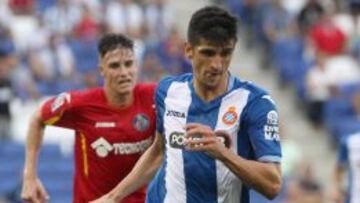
{"x":124,"y":82}
{"x":213,"y":75}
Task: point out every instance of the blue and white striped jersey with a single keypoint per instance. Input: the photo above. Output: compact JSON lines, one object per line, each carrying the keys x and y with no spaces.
{"x":349,"y":157}
{"x":245,"y":111}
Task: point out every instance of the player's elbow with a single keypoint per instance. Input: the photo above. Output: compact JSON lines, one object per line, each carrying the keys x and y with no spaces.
{"x":274,"y":189}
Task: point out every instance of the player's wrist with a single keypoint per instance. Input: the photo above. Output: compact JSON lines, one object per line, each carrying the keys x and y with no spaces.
{"x":29,"y":174}
{"x":225,"y":155}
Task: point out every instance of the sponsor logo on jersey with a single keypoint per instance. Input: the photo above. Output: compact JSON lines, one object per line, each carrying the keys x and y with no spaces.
{"x":105,"y":124}
{"x":59,"y":101}
{"x":230,"y":117}
{"x":141,"y":122}
{"x":102,"y":147}
{"x":271,"y":128}
{"x":177,"y":139}
{"x":175,"y":114}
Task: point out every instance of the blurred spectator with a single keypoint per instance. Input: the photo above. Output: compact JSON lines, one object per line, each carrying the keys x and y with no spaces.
{"x":62,"y":17}
{"x":84,"y":48}
{"x":317,"y":89}
{"x":53,"y":66}
{"x":309,"y":15}
{"x":125,"y":16}
{"x":323,"y":77}
{"x":87,"y":27}
{"x":305,"y":188}
{"x":22,"y":7}
{"x":6,"y":92}
{"x":293,"y":7}
{"x":326,"y":37}
{"x":277,"y":20}
{"x":356,"y":103}
{"x":5,"y":14}
{"x":159,"y":17}
{"x":171,"y":54}
{"x":354,"y":7}
{"x":151,"y":70}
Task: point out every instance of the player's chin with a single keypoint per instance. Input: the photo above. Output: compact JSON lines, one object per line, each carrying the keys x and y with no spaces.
{"x":125,"y":88}
{"x":212,"y":82}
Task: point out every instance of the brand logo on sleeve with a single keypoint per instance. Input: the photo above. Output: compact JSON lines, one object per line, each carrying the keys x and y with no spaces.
{"x":60,"y":100}
{"x":271,"y":128}
{"x":231,"y":116}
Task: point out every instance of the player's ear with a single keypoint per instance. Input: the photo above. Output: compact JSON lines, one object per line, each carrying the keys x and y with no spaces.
{"x":101,"y":70}
{"x":188,"y":50}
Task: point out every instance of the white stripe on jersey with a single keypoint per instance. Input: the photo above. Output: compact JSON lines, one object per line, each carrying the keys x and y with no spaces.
{"x":228,"y":185}
{"x":354,"y":160}
{"x":174,"y":172}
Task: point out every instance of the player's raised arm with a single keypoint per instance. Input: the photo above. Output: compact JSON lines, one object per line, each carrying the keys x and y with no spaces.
{"x":142,"y":173}
{"x":32,"y":189}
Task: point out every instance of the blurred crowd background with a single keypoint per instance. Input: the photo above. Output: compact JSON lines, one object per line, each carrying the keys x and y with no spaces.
{"x":49,"y":46}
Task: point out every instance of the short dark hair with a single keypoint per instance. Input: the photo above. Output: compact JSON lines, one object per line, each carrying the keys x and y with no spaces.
{"x":113,"y":41}
{"x":212,"y":23}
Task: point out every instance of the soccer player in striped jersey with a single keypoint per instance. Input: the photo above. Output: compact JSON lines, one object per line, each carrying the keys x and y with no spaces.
{"x":114,"y":125}
{"x":217,"y":136}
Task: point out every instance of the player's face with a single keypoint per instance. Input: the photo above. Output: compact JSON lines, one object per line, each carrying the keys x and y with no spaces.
{"x":119,"y":70}
{"x":210,"y":61}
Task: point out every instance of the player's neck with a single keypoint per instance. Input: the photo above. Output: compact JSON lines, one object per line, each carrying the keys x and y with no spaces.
{"x":207,"y":93}
{"x":117,"y":100}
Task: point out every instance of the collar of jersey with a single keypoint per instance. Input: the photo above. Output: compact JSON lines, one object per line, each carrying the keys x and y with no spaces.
{"x":206,"y":105}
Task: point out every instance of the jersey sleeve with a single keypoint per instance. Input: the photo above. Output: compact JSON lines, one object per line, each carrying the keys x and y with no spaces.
{"x":263,"y":129}
{"x":342,"y":157}
{"x":57,"y":110}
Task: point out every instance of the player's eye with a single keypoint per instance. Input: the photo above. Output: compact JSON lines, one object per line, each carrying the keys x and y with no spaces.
{"x":114,"y":65}
{"x":128,"y":63}
{"x":226,"y":52}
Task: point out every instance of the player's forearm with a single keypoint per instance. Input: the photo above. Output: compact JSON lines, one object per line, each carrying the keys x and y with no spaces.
{"x":142,"y":173}
{"x":263,"y":177}
{"x":33,"y":143}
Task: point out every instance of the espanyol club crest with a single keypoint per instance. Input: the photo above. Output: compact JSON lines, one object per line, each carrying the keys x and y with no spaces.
{"x":141,"y":122}
{"x":230,"y":117}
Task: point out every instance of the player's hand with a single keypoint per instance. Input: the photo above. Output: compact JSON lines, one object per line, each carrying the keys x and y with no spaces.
{"x":104,"y":199}
{"x":202,"y":138}
{"x":33,"y":191}
{"x":337,"y":196}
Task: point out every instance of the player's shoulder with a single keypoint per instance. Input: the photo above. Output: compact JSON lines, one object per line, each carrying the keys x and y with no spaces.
{"x":166,"y":82}
{"x":78,"y":97}
{"x":145,"y":88}
{"x":254,"y":90}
